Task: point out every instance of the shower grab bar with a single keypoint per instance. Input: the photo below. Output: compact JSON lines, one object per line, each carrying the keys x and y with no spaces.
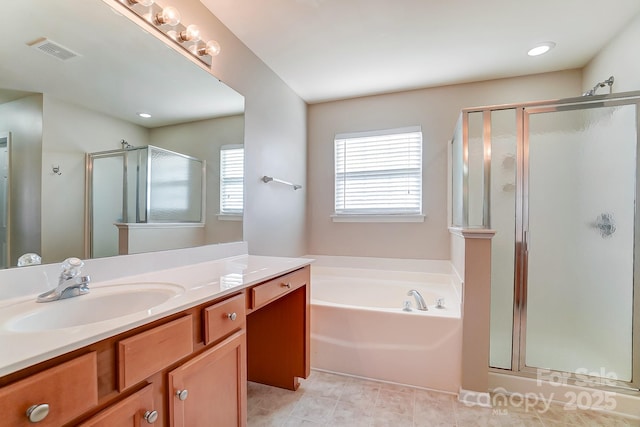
{"x":266,"y":179}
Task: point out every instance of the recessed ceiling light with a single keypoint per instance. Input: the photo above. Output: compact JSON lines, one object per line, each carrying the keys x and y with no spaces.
{"x":144,"y":115}
{"x":541,"y":48}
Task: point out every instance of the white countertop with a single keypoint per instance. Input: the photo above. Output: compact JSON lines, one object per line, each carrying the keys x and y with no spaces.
{"x":196,"y":283}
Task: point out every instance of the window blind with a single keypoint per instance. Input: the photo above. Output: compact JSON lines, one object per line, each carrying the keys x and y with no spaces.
{"x":231,"y":179}
{"x":379,"y":173}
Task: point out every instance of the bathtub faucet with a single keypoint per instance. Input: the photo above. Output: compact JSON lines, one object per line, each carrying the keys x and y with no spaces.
{"x":420,"y":304}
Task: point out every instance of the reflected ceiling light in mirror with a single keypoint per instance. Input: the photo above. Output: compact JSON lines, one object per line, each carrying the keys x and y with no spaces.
{"x":167,"y":21}
{"x":541,"y":48}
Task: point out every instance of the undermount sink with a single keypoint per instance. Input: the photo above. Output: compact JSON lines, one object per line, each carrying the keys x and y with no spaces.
{"x":102,"y":303}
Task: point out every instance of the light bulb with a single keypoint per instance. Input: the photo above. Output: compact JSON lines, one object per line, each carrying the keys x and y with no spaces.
{"x":211,"y":48}
{"x":169,"y":16}
{"x":192,"y":33}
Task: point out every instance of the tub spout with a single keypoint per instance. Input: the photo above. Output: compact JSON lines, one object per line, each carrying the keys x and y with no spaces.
{"x":420,"y":304}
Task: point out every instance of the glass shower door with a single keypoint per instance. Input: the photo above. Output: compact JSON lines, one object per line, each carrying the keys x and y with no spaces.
{"x":107,"y":195}
{"x":579,"y":229}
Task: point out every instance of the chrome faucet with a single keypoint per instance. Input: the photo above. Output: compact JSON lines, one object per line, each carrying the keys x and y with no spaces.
{"x":420,"y":304}
{"x":70,"y":283}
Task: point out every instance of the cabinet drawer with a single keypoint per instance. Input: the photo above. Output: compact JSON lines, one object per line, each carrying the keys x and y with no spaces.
{"x":131,"y":411}
{"x":223,"y":318}
{"x":277,"y":287}
{"x":142,"y":355}
{"x":69,"y":389}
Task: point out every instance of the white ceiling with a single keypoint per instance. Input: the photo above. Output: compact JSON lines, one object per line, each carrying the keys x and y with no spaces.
{"x":334,"y":49}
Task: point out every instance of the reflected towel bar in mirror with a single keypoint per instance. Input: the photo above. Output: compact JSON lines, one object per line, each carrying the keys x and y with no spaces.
{"x":266,"y":179}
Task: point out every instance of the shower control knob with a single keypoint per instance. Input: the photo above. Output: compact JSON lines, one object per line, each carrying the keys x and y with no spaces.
{"x":182,"y":394}
{"x":232,"y":316}
{"x":439,"y":302}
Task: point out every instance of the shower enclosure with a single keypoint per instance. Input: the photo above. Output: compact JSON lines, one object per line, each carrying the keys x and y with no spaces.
{"x":140,"y":185}
{"x":557,"y":181}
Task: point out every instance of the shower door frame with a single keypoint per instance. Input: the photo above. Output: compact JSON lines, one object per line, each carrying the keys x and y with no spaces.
{"x":518,"y":363}
{"x":90,"y":157}
{"x":6,"y":137}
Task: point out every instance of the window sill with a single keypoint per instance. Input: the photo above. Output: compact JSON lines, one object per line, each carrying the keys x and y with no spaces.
{"x":229,"y":217}
{"x":377,"y":218}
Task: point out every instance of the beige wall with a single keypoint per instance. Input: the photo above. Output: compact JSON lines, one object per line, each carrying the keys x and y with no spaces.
{"x":619,"y":59}
{"x":436,"y":110}
{"x":275,"y":140}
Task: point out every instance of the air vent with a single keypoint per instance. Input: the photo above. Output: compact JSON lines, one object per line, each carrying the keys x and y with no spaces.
{"x":54,"y":49}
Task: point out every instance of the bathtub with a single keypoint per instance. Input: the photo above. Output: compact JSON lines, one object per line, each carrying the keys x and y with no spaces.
{"x":359,"y":327}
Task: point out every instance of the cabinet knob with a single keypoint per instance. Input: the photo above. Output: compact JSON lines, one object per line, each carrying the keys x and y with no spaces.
{"x":286,"y":285}
{"x":37,"y":413}
{"x":232,"y":316}
{"x":150,"y":416}
{"x":182,"y":394}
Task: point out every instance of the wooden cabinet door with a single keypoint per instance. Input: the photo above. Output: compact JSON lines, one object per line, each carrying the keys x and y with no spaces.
{"x":211,"y":389}
{"x":134,"y":411}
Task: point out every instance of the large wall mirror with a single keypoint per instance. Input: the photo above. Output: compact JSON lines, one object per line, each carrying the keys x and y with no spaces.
{"x":55,"y":110}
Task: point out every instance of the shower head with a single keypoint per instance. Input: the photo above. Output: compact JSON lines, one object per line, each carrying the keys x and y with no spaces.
{"x":592,"y":91}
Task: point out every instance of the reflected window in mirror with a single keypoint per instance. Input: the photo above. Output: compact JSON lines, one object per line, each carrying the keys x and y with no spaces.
{"x":231,"y":181}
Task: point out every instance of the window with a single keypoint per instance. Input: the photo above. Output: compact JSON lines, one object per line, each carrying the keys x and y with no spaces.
{"x":231,"y":179}
{"x":379,"y":173}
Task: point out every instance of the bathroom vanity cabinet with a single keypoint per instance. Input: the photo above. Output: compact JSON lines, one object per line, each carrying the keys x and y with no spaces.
{"x":187,"y":369}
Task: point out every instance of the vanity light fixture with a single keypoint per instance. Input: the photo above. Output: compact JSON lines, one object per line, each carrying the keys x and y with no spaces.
{"x":541,"y":48}
{"x":167,"y":21}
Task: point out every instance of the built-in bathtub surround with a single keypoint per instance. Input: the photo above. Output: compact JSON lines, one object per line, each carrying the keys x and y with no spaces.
{"x":360,"y":327}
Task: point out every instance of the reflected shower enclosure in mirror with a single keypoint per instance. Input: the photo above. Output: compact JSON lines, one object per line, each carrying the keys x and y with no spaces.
{"x":75,"y":78}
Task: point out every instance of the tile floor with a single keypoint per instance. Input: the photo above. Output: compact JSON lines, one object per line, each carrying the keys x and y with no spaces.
{"x":332,"y":400}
